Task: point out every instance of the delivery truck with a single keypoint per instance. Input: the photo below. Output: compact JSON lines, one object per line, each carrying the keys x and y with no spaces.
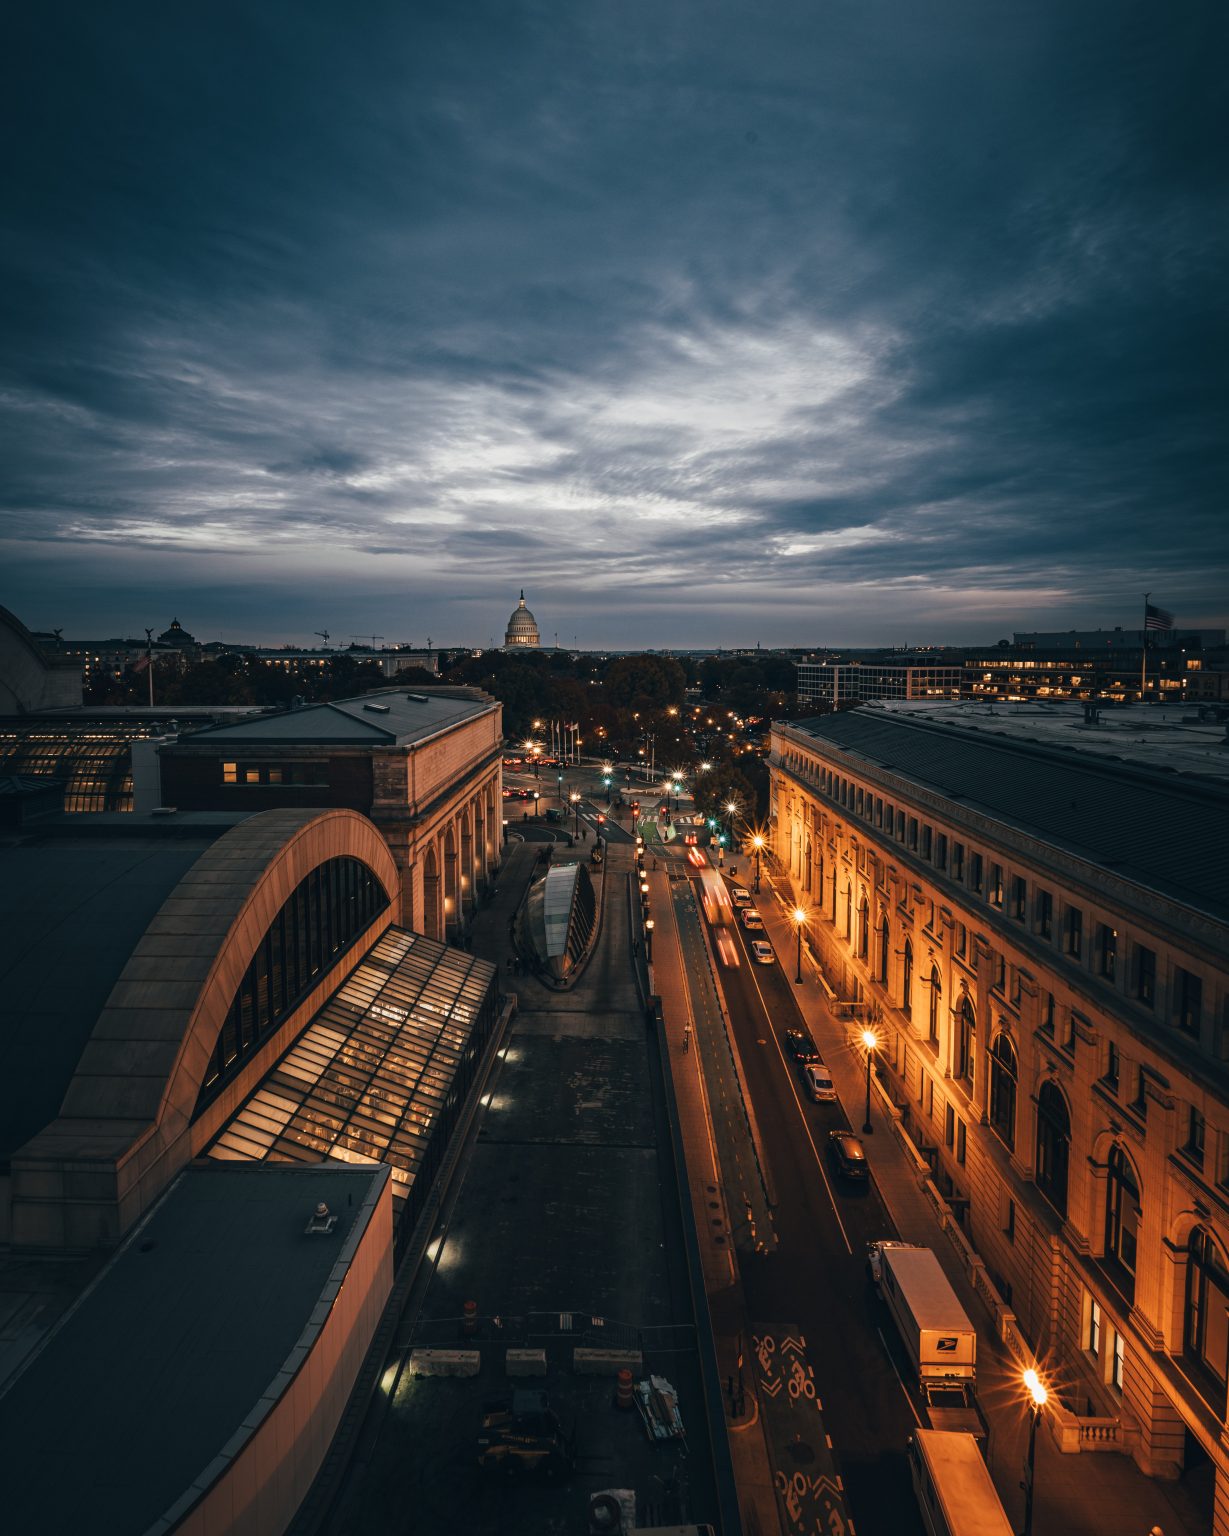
{"x":940,"y":1339}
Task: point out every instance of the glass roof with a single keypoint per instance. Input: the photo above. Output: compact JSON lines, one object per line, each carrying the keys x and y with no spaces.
{"x":368,"y":1077}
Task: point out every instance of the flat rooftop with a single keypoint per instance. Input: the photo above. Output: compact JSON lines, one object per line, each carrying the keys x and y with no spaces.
{"x":165,"y":1356}
{"x":385,"y":717}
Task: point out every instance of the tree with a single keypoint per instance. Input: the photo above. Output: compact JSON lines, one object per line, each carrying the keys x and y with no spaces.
{"x":644,"y":682}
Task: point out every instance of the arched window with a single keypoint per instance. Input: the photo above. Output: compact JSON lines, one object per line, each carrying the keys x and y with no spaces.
{"x":1207,"y":1309}
{"x":864,"y":928}
{"x":965,"y":1040}
{"x":1053,"y":1146}
{"x":1122,"y":1218}
{"x":906,"y":988}
{"x":849,"y":910}
{"x":885,"y":949}
{"x":936,"y":1002}
{"x":1003,"y":1073}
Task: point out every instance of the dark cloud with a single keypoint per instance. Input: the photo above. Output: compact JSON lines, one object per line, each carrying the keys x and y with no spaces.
{"x":706,"y":322}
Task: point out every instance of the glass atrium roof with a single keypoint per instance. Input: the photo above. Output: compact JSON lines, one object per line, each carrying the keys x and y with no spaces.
{"x":369,"y":1078}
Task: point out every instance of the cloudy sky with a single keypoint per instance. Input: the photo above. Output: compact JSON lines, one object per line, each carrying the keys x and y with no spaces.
{"x":708,"y":323}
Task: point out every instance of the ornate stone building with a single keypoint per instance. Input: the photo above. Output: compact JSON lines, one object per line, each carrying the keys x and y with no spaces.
{"x":522,"y":627}
{"x":1041,"y":937}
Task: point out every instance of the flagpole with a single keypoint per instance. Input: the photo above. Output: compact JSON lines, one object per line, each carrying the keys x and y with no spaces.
{"x":149,"y":663}
{"x":1143,"y":666}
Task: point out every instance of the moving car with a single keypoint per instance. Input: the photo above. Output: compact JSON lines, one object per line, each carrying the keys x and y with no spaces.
{"x":752,"y":921}
{"x":819,"y":1082}
{"x":800,"y":1046}
{"x":848,"y":1156}
{"x":762,"y":952}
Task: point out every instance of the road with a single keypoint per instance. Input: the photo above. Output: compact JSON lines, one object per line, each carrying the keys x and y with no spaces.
{"x":815,"y":1274}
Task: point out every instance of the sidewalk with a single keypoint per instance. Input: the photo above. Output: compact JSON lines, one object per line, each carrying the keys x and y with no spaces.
{"x":1079,"y":1495}
{"x":753,"y":1473}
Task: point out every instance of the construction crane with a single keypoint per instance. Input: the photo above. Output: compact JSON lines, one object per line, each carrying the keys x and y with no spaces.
{"x":323,"y":633}
{"x":372,"y":638}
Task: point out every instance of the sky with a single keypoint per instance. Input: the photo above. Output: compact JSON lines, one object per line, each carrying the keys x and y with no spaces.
{"x":812,"y":323}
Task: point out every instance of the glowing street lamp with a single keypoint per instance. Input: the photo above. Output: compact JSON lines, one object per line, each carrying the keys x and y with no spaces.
{"x":648,"y":938}
{"x":575,"y":798}
{"x":757,"y":842}
{"x":870,"y":1040}
{"x":536,"y":799}
{"x":1038,"y":1396}
{"x":799,"y":918}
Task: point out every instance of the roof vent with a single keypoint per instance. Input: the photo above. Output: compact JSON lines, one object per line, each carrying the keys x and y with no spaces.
{"x":418,"y":698}
{"x":377,"y":709}
{"x":322,"y":1221}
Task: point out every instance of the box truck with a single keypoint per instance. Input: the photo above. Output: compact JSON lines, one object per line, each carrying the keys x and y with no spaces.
{"x":937,"y":1333}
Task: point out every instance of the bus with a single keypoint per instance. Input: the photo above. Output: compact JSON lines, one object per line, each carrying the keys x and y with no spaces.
{"x":716,"y":899}
{"x":952,"y":1486}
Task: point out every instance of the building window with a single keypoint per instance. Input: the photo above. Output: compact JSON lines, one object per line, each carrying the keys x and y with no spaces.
{"x":1206,"y":1336}
{"x":1053,"y":1146}
{"x":957,"y":861}
{"x":230,"y":773}
{"x":1000,"y":973}
{"x":1094,"y":1327}
{"x":1044,"y":909}
{"x":864,"y":928}
{"x":1122,"y":1217}
{"x":1110,"y":1076}
{"x":949,"y":1126}
{"x":1117,"y":1369}
{"x":962,"y":940}
{"x":1073,"y":932}
{"x":1019,"y":897}
{"x":965,"y":1037}
{"x":1003,"y":1072}
{"x":327,"y":911}
{"x":1107,"y":950}
{"x":976,"y":872}
{"x":927,"y":841}
{"x":961,"y":1142}
{"x":1047,"y":1013}
{"x":936,"y":999}
{"x":995,"y":893}
{"x":913,"y":832}
{"x":885,"y":950}
{"x":906,"y":987}
{"x":1196,"y":1136}
{"x":941,"y":851}
{"x":1188,"y":1002}
{"x":1140,"y":1102}
{"x":1145,"y":975}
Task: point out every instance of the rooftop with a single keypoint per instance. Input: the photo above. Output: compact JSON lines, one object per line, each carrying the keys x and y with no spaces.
{"x":186,"y":1335}
{"x":385,"y":717}
{"x":1145,"y":793}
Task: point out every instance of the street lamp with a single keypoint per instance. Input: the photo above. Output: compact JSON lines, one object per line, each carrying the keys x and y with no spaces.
{"x":677,"y":788}
{"x":576,"y":812}
{"x":648,"y":938}
{"x":536,"y":798}
{"x":1038,"y":1394}
{"x":870,"y":1040}
{"x":757,"y":842}
{"x":799,"y":917}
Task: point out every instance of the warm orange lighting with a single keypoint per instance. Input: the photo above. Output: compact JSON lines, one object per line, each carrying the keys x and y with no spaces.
{"x":870,"y":1039}
{"x":799,"y":916}
{"x":1036,"y":1388}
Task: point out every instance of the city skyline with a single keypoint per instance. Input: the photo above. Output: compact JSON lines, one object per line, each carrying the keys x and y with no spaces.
{"x":819,"y":328}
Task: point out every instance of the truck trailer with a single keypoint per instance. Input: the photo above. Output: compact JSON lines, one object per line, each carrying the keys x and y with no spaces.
{"x":940,"y":1339}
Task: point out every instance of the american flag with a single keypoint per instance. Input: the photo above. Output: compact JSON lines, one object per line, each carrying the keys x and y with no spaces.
{"x":1157,"y":618}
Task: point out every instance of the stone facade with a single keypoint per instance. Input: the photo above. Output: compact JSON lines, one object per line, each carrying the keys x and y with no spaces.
{"x":1056,"y":1036}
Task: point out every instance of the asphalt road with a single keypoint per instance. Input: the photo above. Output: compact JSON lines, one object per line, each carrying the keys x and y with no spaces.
{"x":816,"y":1275}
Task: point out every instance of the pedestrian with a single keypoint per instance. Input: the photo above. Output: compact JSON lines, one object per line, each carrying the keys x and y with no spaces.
{"x":686,"y":1037}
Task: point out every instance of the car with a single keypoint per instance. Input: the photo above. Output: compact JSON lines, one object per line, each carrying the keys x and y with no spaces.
{"x":818,"y":1082}
{"x":848,"y":1156}
{"x":874,"y":1256}
{"x":727,"y":950}
{"x":752,"y":920}
{"x":740,"y":895}
{"x":762,"y":952}
{"x":800,"y":1046}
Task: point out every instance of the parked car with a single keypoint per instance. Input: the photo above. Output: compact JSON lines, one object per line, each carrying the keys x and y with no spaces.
{"x":740,"y":896}
{"x":752,"y":921}
{"x":762,"y":952}
{"x":819,"y":1083}
{"x":848,"y":1156}
{"x":800,"y":1046}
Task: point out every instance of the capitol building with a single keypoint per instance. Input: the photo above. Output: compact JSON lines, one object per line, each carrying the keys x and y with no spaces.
{"x":522,"y":628}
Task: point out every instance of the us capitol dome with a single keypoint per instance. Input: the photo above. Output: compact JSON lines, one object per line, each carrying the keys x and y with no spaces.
{"x":522,"y":627}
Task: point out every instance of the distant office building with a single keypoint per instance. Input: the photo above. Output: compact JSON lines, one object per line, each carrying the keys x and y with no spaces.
{"x":1114,"y":675}
{"x":842,"y":683}
{"x":425,"y":766}
{"x":1039,"y":931}
{"x":1118,"y":639}
{"x":296,"y":663}
{"x":522,"y":628}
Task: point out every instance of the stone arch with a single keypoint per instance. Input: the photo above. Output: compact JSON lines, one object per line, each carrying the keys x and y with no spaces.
{"x":452,"y":881}
{"x":864,"y":925}
{"x":466,"y":892}
{"x":129,"y":1111}
{"x":1053,"y":1155}
{"x":432,"y":895}
{"x":1004,"y":1085}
